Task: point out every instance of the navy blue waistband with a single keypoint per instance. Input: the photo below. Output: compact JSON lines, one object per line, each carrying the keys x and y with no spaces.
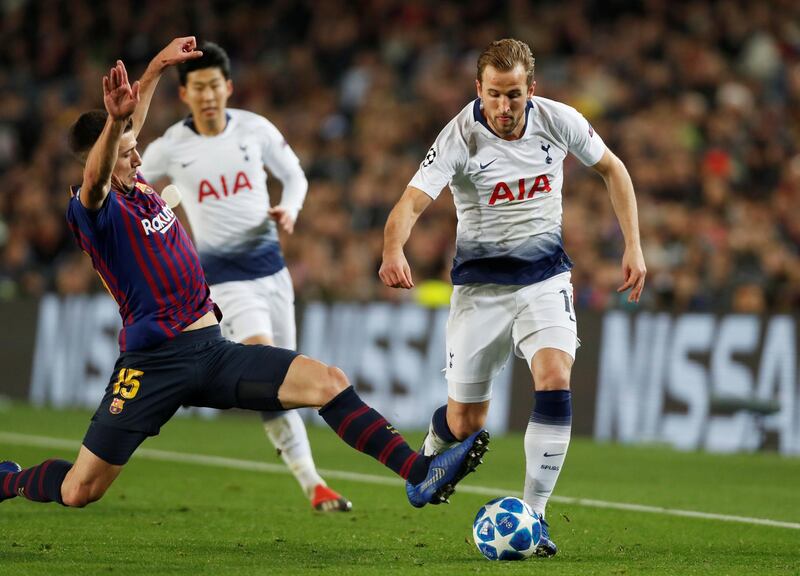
{"x":194,"y":336}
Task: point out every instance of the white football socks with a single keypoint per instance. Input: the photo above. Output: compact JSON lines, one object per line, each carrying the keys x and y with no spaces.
{"x":545,"y":450}
{"x":288,"y":434}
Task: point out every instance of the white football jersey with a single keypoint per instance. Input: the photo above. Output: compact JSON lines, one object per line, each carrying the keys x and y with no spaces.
{"x":223,"y":185}
{"x":508,"y":192}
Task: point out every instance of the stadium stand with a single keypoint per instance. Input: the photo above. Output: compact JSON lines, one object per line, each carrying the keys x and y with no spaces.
{"x":701,"y":100}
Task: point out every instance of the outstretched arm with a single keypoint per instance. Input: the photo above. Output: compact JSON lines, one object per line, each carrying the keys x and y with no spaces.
{"x":623,"y":199}
{"x":178,"y":51}
{"x":120,"y":99}
{"x":395,"y":271}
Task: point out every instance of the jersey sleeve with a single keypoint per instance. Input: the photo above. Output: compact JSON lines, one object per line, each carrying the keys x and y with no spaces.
{"x":447,"y":155}
{"x":581,"y":139}
{"x":283,"y":163}
{"x":155,"y":161}
{"x":84,"y":223}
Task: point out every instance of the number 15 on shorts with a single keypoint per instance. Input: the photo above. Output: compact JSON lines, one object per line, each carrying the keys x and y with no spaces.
{"x":127,"y":384}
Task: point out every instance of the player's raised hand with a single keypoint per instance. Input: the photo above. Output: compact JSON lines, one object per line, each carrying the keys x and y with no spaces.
{"x":179,"y":50}
{"x":119,"y":97}
{"x":634,"y":272}
{"x":284,"y":217}
{"x":395,"y":271}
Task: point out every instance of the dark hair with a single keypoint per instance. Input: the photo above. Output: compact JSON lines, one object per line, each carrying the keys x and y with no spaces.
{"x":213,"y":57}
{"x":87,"y":129}
{"x":504,"y":55}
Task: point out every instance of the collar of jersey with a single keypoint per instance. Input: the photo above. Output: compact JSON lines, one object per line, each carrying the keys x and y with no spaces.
{"x":189,"y":123}
{"x":130,"y":193}
{"x":477,"y":113}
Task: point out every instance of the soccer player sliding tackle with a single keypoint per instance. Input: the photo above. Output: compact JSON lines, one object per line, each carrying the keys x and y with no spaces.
{"x":171,"y":350}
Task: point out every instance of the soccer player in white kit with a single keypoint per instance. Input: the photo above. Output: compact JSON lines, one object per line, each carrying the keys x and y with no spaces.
{"x":217,"y":158}
{"x":502,"y":157}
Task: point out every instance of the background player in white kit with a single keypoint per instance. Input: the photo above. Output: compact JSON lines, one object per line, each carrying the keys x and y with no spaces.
{"x":502,"y":157}
{"x":216,"y":157}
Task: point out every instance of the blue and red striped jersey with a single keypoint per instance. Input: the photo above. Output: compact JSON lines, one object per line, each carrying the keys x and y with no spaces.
{"x":147,"y":262}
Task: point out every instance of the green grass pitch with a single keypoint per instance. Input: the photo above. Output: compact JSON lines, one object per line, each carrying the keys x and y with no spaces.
{"x":183,"y":517}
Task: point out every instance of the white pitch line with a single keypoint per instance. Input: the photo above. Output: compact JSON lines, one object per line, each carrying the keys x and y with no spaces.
{"x":254,"y":466}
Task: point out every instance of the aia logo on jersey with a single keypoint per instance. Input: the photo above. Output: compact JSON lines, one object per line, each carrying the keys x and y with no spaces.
{"x":502,"y":192}
{"x":223,"y":189}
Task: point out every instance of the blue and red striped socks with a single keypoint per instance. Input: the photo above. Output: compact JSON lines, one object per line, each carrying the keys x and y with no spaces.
{"x":40,"y":483}
{"x":367,"y":431}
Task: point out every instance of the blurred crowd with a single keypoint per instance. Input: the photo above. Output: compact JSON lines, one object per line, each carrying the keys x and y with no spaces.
{"x":700,"y":99}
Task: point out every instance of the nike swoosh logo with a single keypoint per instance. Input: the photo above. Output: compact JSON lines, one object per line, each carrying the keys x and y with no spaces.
{"x":546,"y":455}
{"x":437,"y":474}
{"x":485,"y":166}
{"x":185,"y":164}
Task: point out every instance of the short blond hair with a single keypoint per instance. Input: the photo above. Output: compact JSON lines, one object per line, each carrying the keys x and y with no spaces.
{"x":504,"y":55}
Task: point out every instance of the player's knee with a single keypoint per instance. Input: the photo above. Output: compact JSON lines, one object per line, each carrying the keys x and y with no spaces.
{"x":334,"y":382}
{"x":553,"y":380}
{"x":79,"y":495}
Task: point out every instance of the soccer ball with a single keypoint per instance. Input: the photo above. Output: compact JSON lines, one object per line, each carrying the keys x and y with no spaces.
{"x":506,"y":529}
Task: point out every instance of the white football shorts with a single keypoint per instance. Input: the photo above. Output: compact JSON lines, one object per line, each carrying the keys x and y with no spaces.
{"x":488,"y":321}
{"x":264,"y":306}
